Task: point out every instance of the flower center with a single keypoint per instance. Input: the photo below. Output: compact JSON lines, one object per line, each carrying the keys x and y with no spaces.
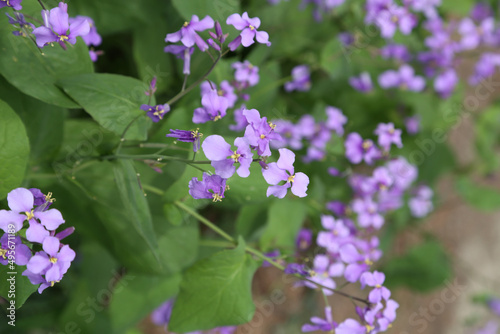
{"x":368,"y":262}
{"x":3,"y":252}
{"x":217,"y":198}
{"x":366,"y":144}
{"x":291,"y":178}
{"x":262,"y":136}
{"x":273,"y":126}
{"x":63,"y":38}
{"x":29,"y":215}
{"x":53,"y":260}
{"x":394,"y":19}
{"x":236,"y":156}
{"x":186,"y":23}
{"x":369,"y":328}
{"x":251,"y":27}
{"x":220,"y":92}
{"x":378,"y":286}
{"x":196,"y":133}
{"x":216,"y":118}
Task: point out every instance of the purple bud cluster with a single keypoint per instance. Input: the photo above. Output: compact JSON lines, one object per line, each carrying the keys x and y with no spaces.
{"x":48,"y":265}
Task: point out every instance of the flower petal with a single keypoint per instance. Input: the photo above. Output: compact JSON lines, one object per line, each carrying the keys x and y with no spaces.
{"x":300,"y":183}
{"x":20,"y":200}
{"x":51,"y":219}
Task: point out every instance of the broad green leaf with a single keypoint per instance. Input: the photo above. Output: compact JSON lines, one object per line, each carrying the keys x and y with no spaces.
{"x":35,"y":72}
{"x":14,"y":150}
{"x":284,"y":219}
{"x":131,"y":241}
{"x":487,"y":130}
{"x":134,"y":200}
{"x":139,"y":297}
{"x":114,"y":101}
{"x":423,"y":268}
{"x":481,"y":197}
{"x":14,"y":286}
{"x":216,"y":291}
{"x":334,"y":58}
{"x":219,"y":10}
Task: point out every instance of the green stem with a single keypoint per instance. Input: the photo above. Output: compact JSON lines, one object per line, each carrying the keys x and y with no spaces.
{"x":122,"y":138}
{"x":205,"y":221}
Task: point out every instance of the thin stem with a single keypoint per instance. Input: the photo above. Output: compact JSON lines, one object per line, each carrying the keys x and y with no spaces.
{"x":185,"y":82}
{"x":157,"y":157}
{"x":216,"y":243}
{"x":41,"y":4}
{"x":194,"y":84}
{"x":205,"y":221}
{"x":122,"y":138}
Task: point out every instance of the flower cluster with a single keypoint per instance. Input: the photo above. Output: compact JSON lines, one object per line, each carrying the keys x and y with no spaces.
{"x":47,"y":266}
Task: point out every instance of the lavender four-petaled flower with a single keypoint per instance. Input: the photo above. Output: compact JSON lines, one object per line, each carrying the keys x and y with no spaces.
{"x":223,"y":157}
{"x":188,"y":34}
{"x":404,"y":78}
{"x":58,"y":28}
{"x":259,"y":132}
{"x":357,"y":149}
{"x":318,"y":324}
{"x":283,"y":170}
{"x":301,"y":79}
{"x":157,"y":112}
{"x":211,"y":186}
{"x":388,"y":135}
{"x":15,"y":4}
{"x":214,"y":107}
{"x":248,"y":27}
{"x":363,"y":83}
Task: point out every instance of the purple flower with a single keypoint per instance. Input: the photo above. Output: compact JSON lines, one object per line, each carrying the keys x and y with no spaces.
{"x":358,"y":149}
{"x":58,"y":26}
{"x":240,"y":119}
{"x":394,"y":17}
{"x":301,"y":79}
{"x":181,"y":52}
{"x":421,"y":204}
{"x":363,"y":83}
{"x":21,"y":252}
{"x":319,"y":324}
{"x":187,"y":137}
{"x":368,"y":214}
{"x":225,"y":90}
{"x":218,"y":151}
{"x":445,"y":83}
{"x":283,"y":171}
{"x":375,"y":279}
{"x":212,"y":186}
{"x":481,"y":11}
{"x":412,"y":124}
{"x":248,"y":27}
{"x":18,"y":20}
{"x":188,"y":33}
{"x":214,"y":108}
{"x":246,"y":73}
{"x":295,"y":268}
{"x":485,"y":67}
{"x":395,"y":51}
{"x":161,"y":315}
{"x":346,"y":38}
{"x":304,"y":239}
{"x":387,"y":135}
{"x":322,"y":272}
{"x":336,"y":235}
{"x":358,"y":263}
{"x":21,"y":202}
{"x":472,"y":36}
{"x":336,"y":120}
{"x":53,"y":261}
{"x":259,"y":132}
{"x":157,"y":112}
{"x":218,"y":36}
{"x":404,"y":78}
{"x":93,"y":37}
{"x":494,"y":305}
{"x":16,"y":4}
{"x":490,"y":328}
{"x":351,"y":326}
{"x":404,"y":173}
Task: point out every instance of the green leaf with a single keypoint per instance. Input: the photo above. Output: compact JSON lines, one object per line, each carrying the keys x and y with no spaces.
{"x":249,"y":190}
{"x":285,"y":217}
{"x":481,"y":197}
{"x":134,"y":201}
{"x":139,"y":297}
{"x":251,"y":219}
{"x":114,"y":101}
{"x":423,"y":268}
{"x":219,"y":10}
{"x":14,"y":152}
{"x":35,"y":72}
{"x":20,"y":290}
{"x":216,"y":291}
{"x":130,"y":241}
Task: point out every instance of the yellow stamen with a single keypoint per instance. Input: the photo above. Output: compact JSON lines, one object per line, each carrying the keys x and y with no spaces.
{"x":220,"y":92}
{"x":251,"y":27}
{"x":29,"y":215}
{"x":378,"y":286}
{"x":53,"y":259}
{"x":236,"y":156}
{"x":217,"y":198}
{"x":366,"y":144}
{"x":186,"y":23}
{"x":291,"y":178}
{"x":3,"y":252}
{"x":196,"y":134}
{"x":273,"y":126}
{"x":369,"y":328}
{"x":63,"y":38}
{"x":262,"y":136}
{"x":216,"y":118}
{"x":368,"y":262}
